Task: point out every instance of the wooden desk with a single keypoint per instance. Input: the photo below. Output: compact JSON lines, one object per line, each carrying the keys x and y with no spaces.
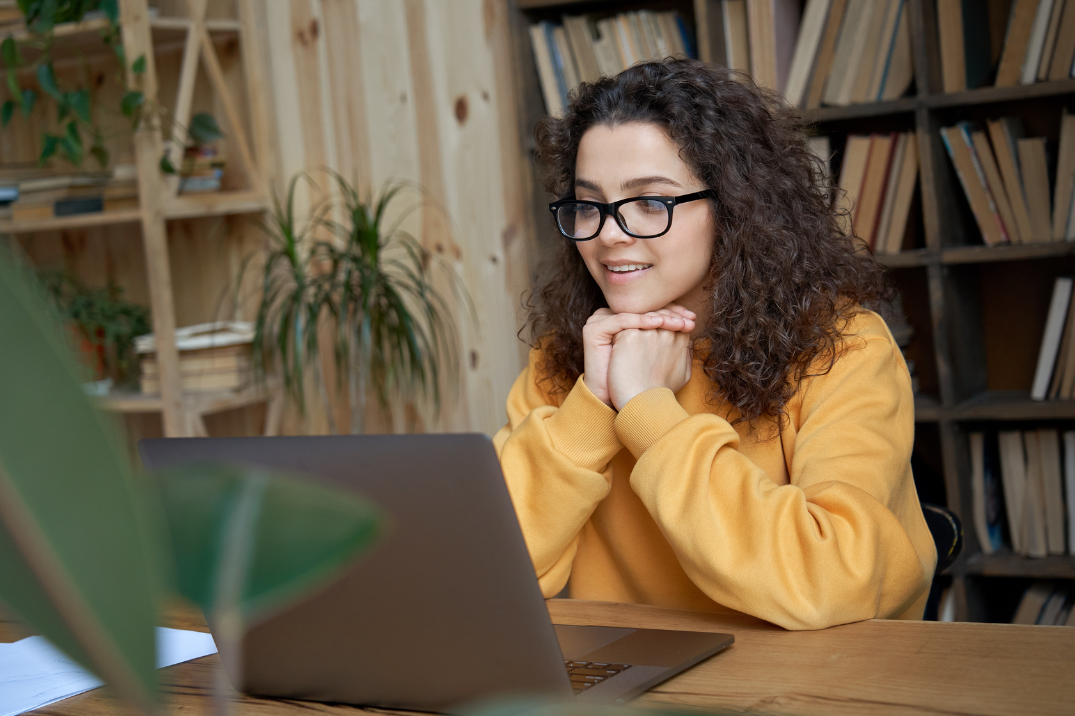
{"x":875,"y":667}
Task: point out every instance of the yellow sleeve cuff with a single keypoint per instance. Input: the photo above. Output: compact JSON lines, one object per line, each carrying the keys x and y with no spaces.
{"x":647,"y":417}
{"x":582,"y":429}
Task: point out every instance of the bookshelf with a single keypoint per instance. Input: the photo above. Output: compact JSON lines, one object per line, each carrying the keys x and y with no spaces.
{"x":170,"y":250}
{"x":978,"y":311}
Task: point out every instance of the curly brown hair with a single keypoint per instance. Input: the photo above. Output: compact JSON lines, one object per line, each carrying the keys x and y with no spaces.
{"x":784,"y":279}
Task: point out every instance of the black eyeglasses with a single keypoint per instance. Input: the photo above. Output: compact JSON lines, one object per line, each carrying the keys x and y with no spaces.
{"x":643,"y":217}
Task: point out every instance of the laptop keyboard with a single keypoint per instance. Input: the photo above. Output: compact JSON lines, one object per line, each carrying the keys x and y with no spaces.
{"x":585,"y":674}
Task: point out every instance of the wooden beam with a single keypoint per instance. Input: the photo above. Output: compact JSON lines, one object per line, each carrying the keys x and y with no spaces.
{"x":138,"y":42}
{"x":184,"y":98}
{"x":259,"y":90}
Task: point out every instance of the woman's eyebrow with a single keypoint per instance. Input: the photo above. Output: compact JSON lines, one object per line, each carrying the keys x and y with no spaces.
{"x":646,"y":181}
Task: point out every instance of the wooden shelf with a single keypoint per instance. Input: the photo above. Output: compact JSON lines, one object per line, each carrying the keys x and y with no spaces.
{"x":996,"y":95}
{"x":1012,"y":405}
{"x":190,"y":206}
{"x":200,"y":403}
{"x":79,"y":221}
{"x":1006,"y":564}
{"x":1008,"y":252}
{"x":905,"y":105}
{"x":904,"y":259}
{"x":543,"y":4}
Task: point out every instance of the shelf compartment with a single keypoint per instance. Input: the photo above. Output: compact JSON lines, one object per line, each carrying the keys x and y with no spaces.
{"x":825,"y":115}
{"x":998,"y":95}
{"x":1012,"y":405}
{"x":1010,"y":252}
{"x":199,"y":403}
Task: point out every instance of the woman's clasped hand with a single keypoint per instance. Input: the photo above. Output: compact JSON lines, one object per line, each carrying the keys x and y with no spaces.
{"x":626,"y":354}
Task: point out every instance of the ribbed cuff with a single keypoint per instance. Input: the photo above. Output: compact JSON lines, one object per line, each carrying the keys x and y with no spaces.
{"x":582,"y":429}
{"x":647,"y":417}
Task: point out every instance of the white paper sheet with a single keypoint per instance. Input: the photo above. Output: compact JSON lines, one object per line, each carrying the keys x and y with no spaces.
{"x":34,"y":673}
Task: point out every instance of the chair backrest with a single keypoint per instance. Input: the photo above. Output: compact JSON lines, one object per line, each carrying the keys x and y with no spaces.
{"x":947,"y":531}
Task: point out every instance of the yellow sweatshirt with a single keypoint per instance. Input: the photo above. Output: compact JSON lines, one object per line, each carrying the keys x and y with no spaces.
{"x":666,"y":503}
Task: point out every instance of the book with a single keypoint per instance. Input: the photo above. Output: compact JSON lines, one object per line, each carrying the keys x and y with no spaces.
{"x":825,"y":55}
{"x":1050,"y":40}
{"x":1031,"y":604}
{"x":886,"y":42}
{"x":1004,"y":133}
{"x":899,"y":151}
{"x":550,"y":90}
{"x":849,"y":52}
{"x":874,"y":183}
{"x":1052,"y":485}
{"x":1013,"y":480}
{"x":1035,"y":174}
{"x":900,"y":71}
{"x":1035,"y":537}
{"x":1050,"y":342}
{"x":973,"y":185}
{"x":806,"y":50}
{"x":966,"y":130}
{"x":870,"y":66}
{"x":903,"y":196}
{"x":1020,"y":25}
{"x":1052,"y":608}
{"x":737,"y":34}
{"x":953,"y":60}
{"x":1065,"y":361}
{"x":1065,"y":176}
{"x":567,"y":67}
{"x":762,"y":29}
{"x":995,"y":184}
{"x":985,"y":492}
{"x":1036,"y":43}
{"x":1064,"y":50}
{"x":1069,"y":486}
{"x":577,"y":30}
{"x":852,"y":172}
{"x":608,"y":57}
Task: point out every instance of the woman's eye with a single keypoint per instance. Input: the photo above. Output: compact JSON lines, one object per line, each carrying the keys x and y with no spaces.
{"x":586,"y":211}
{"x":652,"y":206}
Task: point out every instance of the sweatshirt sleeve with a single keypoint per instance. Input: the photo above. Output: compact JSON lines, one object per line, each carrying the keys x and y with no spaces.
{"x":555,"y":460}
{"x":834,"y":545}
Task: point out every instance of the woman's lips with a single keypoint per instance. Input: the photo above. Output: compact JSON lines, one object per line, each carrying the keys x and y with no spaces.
{"x":622,"y":277}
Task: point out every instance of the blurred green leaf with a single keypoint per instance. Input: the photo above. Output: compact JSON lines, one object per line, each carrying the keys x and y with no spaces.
{"x":111,"y":10}
{"x":71,"y":144}
{"x":100,"y":154}
{"x":29,"y":98}
{"x":203,"y":129}
{"x":6,"y":110}
{"x":80,"y":104}
{"x":303,"y":534}
{"x":166,"y":165}
{"x":131,"y":102}
{"x":13,"y":85}
{"x":48,"y":149}
{"x":9,"y":50}
{"x":77,"y":555}
{"x":46,"y":77}
{"x":139,"y":65}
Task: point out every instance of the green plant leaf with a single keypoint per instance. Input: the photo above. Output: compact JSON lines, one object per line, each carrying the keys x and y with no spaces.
{"x":46,"y":77}
{"x":29,"y":98}
{"x":71,"y":144}
{"x":9,"y":50}
{"x":100,"y":154}
{"x":303,"y":534}
{"x":110,"y":8}
{"x":13,"y":85}
{"x":203,"y":129}
{"x":6,"y":110}
{"x":131,"y":102}
{"x":80,"y":104}
{"x":139,"y":66}
{"x":166,"y":165}
{"x":78,"y":554}
{"x":48,"y":149}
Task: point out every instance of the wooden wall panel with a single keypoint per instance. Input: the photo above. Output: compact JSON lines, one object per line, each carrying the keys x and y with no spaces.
{"x":419,"y":91}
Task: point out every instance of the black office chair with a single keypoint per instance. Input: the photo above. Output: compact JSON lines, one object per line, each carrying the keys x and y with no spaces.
{"x":947,"y":531}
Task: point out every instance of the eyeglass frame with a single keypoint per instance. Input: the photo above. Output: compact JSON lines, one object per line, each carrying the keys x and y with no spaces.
{"x":612,"y":209}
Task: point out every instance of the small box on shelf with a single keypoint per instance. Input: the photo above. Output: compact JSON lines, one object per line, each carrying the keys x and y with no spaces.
{"x":212,"y":357}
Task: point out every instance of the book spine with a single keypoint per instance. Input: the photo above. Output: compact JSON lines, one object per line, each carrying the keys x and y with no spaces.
{"x":964,"y":130}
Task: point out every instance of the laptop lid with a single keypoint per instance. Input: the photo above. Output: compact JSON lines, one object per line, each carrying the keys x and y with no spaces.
{"x":444,"y":608}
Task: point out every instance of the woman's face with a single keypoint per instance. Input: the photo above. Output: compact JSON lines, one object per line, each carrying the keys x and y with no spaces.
{"x":640,"y":275}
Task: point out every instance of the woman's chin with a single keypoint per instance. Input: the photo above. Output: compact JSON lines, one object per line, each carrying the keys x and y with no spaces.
{"x":619,"y":305}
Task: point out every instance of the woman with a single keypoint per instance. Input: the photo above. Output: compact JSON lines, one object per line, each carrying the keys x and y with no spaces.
{"x":710,"y":418}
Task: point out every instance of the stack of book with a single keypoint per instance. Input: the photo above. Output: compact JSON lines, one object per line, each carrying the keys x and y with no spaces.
{"x":35,"y":196}
{"x":1046,"y":604}
{"x":586,"y":48}
{"x":1019,"y":484}
{"x":850,"y":52}
{"x":202,"y":170}
{"x":1005,"y":178}
{"x":212,"y":357}
{"x":878,"y":178}
{"x":1038,"y":43}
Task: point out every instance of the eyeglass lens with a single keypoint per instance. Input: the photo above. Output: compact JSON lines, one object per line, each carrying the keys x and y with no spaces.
{"x":642,"y":218}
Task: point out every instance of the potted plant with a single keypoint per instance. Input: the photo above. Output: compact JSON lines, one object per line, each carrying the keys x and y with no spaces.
{"x":395,"y":336}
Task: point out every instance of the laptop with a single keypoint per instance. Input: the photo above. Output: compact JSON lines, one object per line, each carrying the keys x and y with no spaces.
{"x":446,"y":608}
